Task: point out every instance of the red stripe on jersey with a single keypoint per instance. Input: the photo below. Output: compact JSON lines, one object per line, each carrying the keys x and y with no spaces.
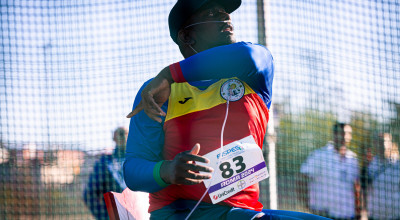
{"x":176,"y":73}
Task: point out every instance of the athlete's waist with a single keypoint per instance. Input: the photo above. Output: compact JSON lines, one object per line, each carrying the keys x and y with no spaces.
{"x":247,"y":198}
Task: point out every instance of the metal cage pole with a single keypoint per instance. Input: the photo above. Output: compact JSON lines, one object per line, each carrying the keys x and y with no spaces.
{"x":263,"y":22}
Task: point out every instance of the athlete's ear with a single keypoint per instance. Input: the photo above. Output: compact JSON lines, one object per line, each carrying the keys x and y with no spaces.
{"x":184,"y":37}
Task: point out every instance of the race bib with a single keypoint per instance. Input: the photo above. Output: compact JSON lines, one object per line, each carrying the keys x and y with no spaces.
{"x":242,"y":164}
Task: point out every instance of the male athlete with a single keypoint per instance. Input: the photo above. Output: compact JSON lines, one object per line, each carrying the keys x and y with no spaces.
{"x":218,"y":95}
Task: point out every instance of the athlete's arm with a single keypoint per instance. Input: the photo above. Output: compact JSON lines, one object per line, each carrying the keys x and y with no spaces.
{"x":144,"y":168}
{"x":249,"y":62}
{"x":143,"y":151}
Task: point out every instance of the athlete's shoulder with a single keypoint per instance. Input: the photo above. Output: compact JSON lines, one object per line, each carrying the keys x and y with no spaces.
{"x":251,"y":45}
{"x":256,"y":52}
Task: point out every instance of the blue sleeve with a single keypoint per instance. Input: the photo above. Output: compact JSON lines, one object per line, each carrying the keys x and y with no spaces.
{"x":143,"y":150}
{"x":252,"y":63}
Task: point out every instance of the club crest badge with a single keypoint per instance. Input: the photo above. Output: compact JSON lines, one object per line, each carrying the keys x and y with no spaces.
{"x":232,"y":90}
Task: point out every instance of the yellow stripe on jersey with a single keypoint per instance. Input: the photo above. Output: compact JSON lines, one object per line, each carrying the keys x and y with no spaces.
{"x":185,"y":99}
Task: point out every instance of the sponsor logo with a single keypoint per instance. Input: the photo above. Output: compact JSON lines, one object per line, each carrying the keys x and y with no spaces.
{"x":185,"y":100}
{"x":257,"y":177}
{"x":230,"y":150}
{"x":232,"y":90}
{"x":224,"y":193}
{"x":241,"y":184}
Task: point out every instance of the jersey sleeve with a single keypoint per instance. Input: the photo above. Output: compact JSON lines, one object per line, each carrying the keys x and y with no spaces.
{"x":143,"y":150}
{"x":251,"y":63}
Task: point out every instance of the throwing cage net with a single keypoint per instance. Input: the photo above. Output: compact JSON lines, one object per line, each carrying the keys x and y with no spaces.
{"x":71,"y":70}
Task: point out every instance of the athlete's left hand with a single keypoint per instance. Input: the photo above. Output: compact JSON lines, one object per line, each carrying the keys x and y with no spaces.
{"x":184,"y":170}
{"x":154,"y":95}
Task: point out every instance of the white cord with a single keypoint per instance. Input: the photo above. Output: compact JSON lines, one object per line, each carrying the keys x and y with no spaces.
{"x":192,"y":48}
{"x":205,"y":22}
{"x":219,"y":158}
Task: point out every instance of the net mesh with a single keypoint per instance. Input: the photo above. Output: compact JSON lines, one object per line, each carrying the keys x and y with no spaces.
{"x":71,"y":69}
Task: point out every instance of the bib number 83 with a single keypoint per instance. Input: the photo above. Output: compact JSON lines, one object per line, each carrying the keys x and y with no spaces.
{"x":226,"y":169}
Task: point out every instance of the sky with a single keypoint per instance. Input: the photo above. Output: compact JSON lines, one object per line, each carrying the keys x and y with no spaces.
{"x":71,"y":69}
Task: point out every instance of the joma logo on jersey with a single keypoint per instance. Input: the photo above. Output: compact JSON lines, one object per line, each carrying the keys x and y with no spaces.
{"x":185,"y":100}
{"x":230,"y":150}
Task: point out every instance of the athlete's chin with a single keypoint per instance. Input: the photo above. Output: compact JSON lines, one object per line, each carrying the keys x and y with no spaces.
{"x":227,"y":39}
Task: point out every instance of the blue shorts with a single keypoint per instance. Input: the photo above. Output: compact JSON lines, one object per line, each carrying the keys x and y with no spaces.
{"x":180,"y":209}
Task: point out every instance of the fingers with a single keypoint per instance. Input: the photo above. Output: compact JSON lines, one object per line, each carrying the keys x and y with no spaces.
{"x":193,"y":180}
{"x":197,"y":168}
{"x":178,"y":172}
{"x":154,"y":115}
{"x":186,"y":174}
{"x":183,"y":169}
{"x":154,"y":112}
{"x":195,"y":149}
{"x":136,"y":110}
{"x":152,"y":109}
{"x":192,"y":154}
{"x":186,"y":157}
{"x":154,"y":95}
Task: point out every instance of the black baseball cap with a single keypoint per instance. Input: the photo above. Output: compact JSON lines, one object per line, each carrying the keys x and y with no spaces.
{"x":183,"y":9}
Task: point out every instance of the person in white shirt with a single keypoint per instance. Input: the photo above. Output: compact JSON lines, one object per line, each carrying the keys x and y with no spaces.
{"x":384,"y":174}
{"x":330,"y":178}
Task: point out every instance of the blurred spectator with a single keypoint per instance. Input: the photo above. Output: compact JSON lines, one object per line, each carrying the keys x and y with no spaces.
{"x":4,"y":155}
{"x":4,"y":165}
{"x":106,"y":176}
{"x":329,"y":182}
{"x":384,"y":174}
{"x":366,"y":158}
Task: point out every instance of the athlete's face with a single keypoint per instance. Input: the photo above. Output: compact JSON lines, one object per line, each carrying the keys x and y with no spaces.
{"x":211,"y":34}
